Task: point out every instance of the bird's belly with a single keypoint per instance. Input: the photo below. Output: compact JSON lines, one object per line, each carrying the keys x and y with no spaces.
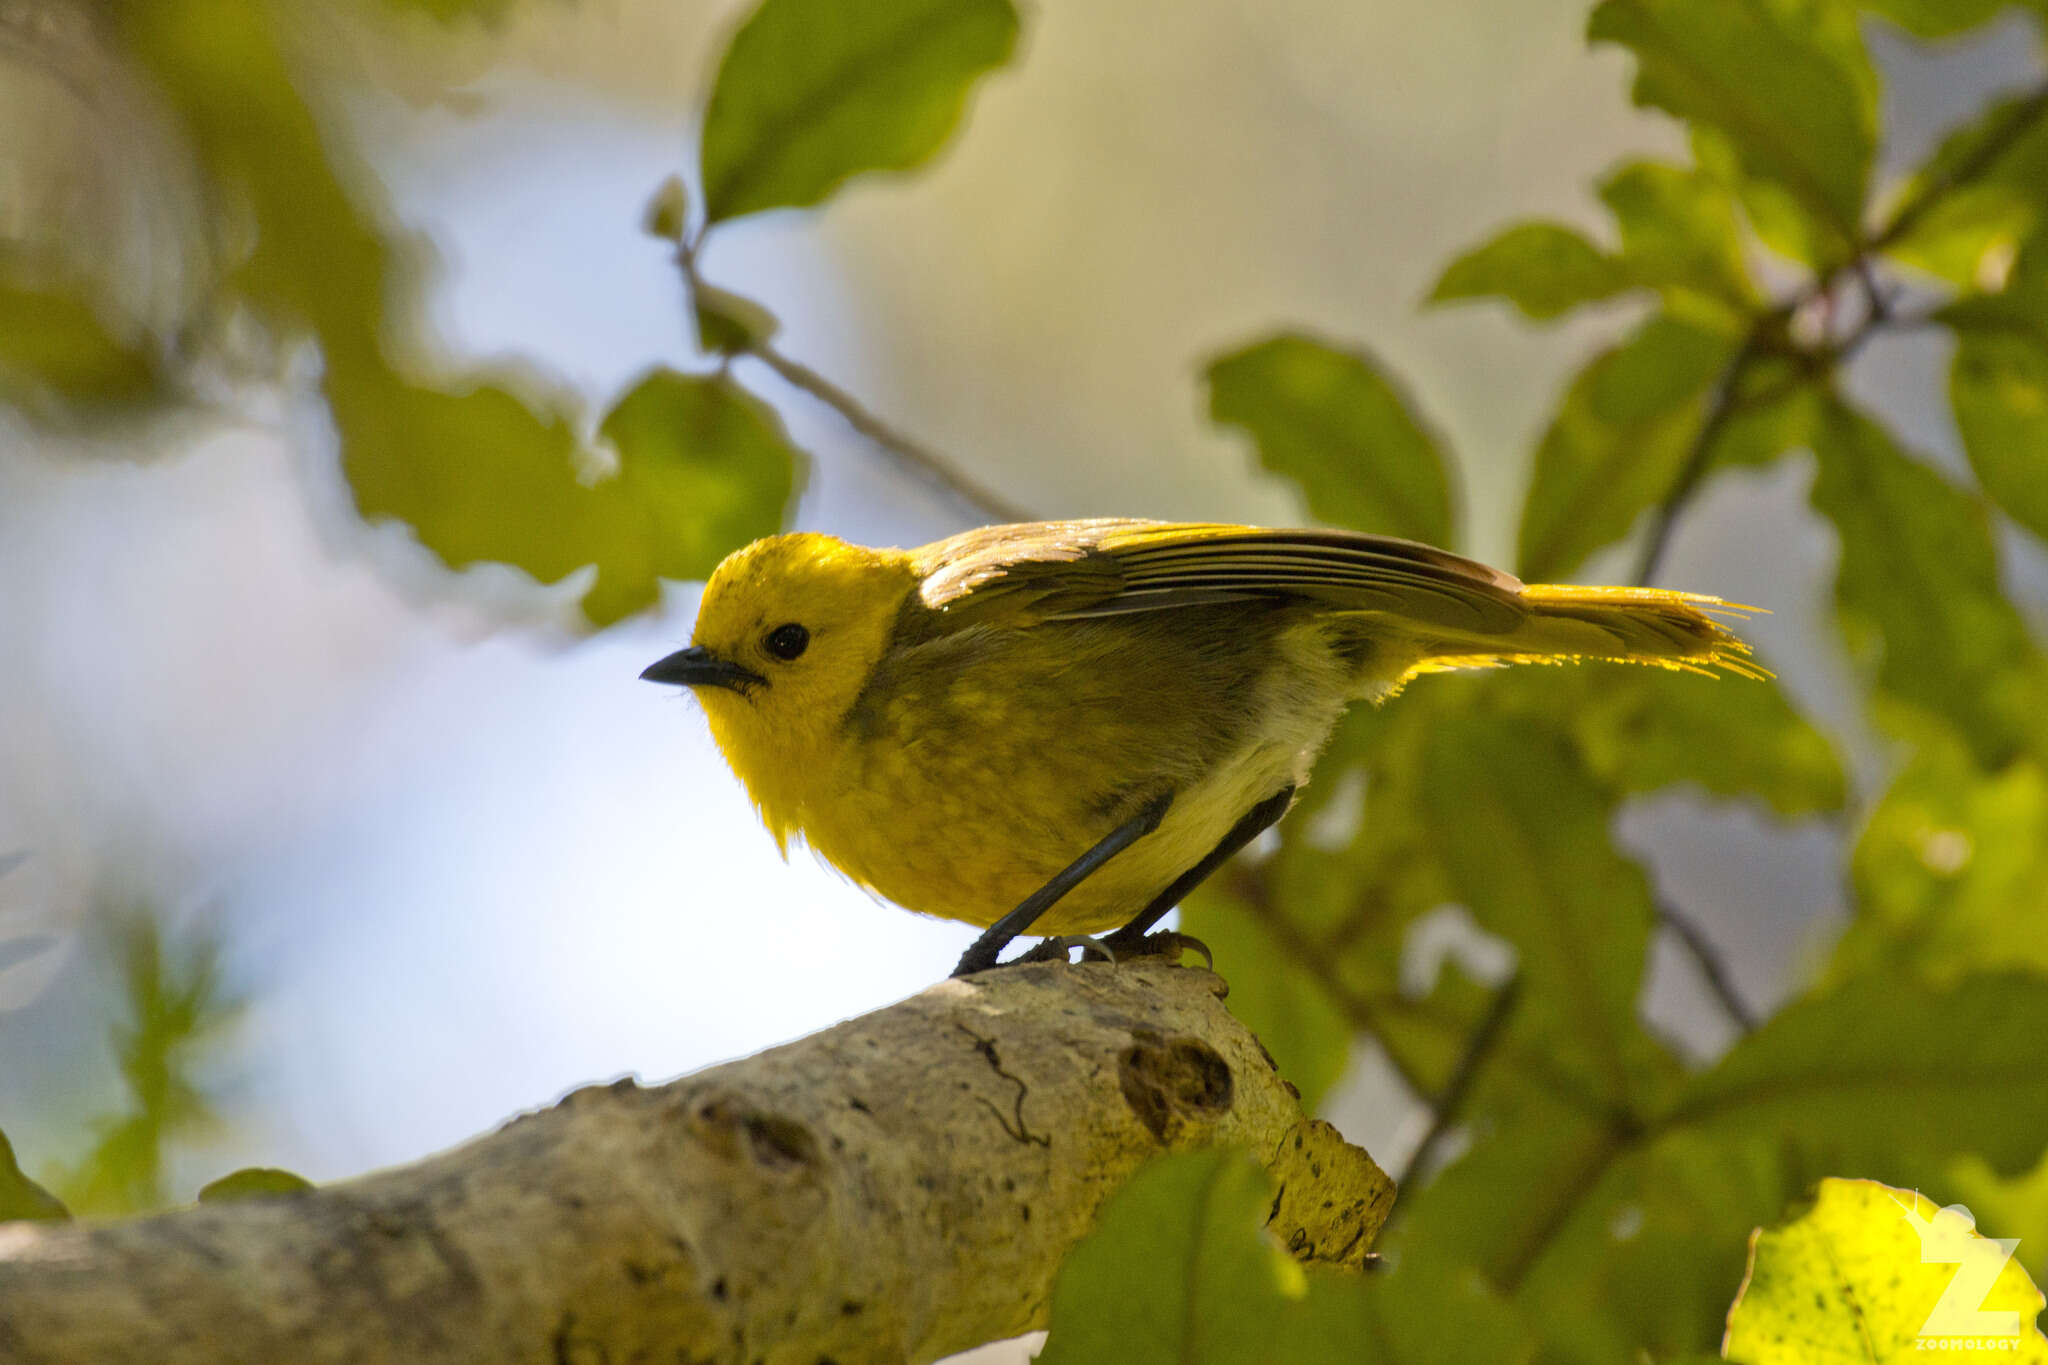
{"x":944,"y":832}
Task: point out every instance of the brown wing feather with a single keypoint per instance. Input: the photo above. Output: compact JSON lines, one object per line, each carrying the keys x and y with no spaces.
{"x":1069,"y":569}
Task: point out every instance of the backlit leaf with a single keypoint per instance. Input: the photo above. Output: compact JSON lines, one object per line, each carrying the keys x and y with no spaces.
{"x":1678,"y":231}
{"x":1979,"y":198}
{"x":1866,"y":1275}
{"x":1330,"y":421}
{"x":54,"y":344}
{"x":811,"y":92}
{"x":254,"y":1182}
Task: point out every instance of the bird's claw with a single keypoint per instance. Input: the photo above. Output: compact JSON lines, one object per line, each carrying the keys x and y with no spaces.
{"x":1056,"y":949}
{"x":1167,"y":943}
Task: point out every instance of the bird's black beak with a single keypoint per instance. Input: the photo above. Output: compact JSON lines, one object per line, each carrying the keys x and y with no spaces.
{"x":699,"y":667}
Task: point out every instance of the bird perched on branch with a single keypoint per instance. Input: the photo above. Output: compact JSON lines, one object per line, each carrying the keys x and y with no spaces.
{"x":1065,"y":726}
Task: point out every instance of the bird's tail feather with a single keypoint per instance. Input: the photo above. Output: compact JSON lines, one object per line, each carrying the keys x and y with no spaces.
{"x":1656,"y":626}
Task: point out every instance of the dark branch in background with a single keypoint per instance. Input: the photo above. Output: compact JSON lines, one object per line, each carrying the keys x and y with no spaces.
{"x":1728,"y":400}
{"x":927,"y":464}
{"x":1449,"y":1106}
{"x":1713,"y":970}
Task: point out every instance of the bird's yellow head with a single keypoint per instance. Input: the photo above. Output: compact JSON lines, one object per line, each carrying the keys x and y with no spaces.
{"x":787,"y":634}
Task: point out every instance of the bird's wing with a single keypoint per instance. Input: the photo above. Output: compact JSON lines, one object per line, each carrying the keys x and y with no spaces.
{"x":1064,"y":570}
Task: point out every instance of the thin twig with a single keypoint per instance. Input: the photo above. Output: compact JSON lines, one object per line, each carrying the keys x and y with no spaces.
{"x":1449,"y":1106}
{"x":922,"y":460}
{"x":1712,"y":968}
{"x":1699,"y":456}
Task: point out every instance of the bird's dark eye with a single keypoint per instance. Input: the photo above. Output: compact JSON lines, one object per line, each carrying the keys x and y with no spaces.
{"x":785,"y":642}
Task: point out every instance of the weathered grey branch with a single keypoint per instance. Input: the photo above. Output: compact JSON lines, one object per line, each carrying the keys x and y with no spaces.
{"x":894,"y":1189}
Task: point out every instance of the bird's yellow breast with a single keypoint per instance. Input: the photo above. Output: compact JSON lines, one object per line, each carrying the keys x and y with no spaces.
{"x":977,"y":765}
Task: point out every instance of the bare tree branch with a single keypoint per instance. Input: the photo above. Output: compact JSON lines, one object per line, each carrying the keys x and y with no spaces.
{"x":897,"y":1188}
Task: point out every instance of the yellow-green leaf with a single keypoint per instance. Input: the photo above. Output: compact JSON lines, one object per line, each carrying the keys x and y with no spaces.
{"x":1979,"y":198}
{"x":55,"y":344}
{"x":254,"y":1182}
{"x":1544,"y":269}
{"x":1786,"y":81}
{"x":1618,"y":442}
{"x":1951,"y":871}
{"x":1332,"y":422}
{"x":811,"y":92}
{"x":21,"y":1197}
{"x":1179,"y":1271}
{"x":1998,"y":385}
{"x":1678,"y":231}
{"x":1870,"y":1275}
{"x":1918,"y":587}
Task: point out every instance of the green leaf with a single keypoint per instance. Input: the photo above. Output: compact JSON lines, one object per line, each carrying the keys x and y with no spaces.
{"x":254,"y":1182}
{"x":1998,"y":385}
{"x":1936,"y":18}
{"x":1979,"y":198}
{"x":1646,"y":729}
{"x":1873,"y":1073}
{"x":55,"y":344}
{"x":667,"y":215}
{"x":1786,"y":81}
{"x":1867,"y":1273}
{"x":1618,"y":442}
{"x":1524,"y":833}
{"x":729,"y":323}
{"x":1179,"y":1270}
{"x":1308,"y":1038}
{"x":1918,"y":587}
{"x":812,"y":92}
{"x":1951,"y":872}
{"x":21,"y":1197}
{"x":1679,"y":231}
{"x":1544,"y":269}
{"x":704,"y":468}
{"x":1331,"y":421}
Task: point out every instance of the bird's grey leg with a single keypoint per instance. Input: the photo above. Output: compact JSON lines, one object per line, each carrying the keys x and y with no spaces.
{"x":1130,"y":939}
{"x":982,"y":955}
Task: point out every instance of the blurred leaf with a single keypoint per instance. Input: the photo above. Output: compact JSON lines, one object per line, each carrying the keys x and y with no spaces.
{"x":174,"y":1005}
{"x":21,"y":1197}
{"x":1862,"y":1275}
{"x":1645,"y":729}
{"x":1308,"y":1038}
{"x":1569,"y":1209}
{"x":811,"y":92}
{"x":1786,"y":81}
{"x":448,"y":11}
{"x":1678,"y":231}
{"x":1329,"y":420}
{"x":2011,"y":1206}
{"x":1918,"y":587}
{"x":1873,"y":1072}
{"x":667,"y":214}
{"x":1179,"y":1270}
{"x":1980,"y":197}
{"x":1936,"y":18}
{"x":1416,"y":1314}
{"x":53,"y":342}
{"x":1617,"y":443}
{"x":729,"y":323}
{"x":253,"y":1182}
{"x":1544,"y":269}
{"x":1951,"y":872}
{"x":1998,"y":384}
{"x":704,"y":468}
{"x":1524,"y":833}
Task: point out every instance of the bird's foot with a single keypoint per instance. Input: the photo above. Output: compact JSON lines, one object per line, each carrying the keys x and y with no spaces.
{"x":1123,"y":945}
{"x":1056,"y":949}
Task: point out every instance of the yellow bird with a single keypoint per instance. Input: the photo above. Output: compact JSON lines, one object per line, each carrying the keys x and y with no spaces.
{"x":1065,"y":726}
